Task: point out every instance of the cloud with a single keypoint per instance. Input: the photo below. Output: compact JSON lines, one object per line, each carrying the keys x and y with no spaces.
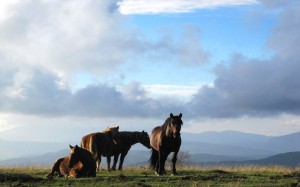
{"x":175,"y":6}
{"x":45,"y":44}
{"x":286,"y":34}
{"x":69,"y":37}
{"x":41,"y":94}
{"x":63,"y":36}
{"x":254,"y":87}
{"x":42,"y":43}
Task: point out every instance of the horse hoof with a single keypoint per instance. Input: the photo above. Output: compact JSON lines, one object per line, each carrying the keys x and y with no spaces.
{"x":49,"y":176}
{"x":157,"y":174}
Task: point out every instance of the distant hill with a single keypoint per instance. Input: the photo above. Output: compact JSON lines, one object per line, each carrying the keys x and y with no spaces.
{"x":138,"y":157}
{"x":204,"y":147}
{"x":284,"y":159}
{"x":12,"y":149}
{"x":259,"y":144}
{"x":224,"y":149}
{"x":289,"y":159}
{"x":46,"y":160}
{"x":225,"y":137}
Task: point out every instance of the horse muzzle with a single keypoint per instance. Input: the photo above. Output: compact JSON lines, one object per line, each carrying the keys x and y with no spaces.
{"x":175,"y":135}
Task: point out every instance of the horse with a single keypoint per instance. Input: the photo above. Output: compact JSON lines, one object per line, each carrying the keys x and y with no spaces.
{"x":126,"y":140}
{"x":164,"y":140}
{"x":79,"y":163}
{"x":101,"y":144}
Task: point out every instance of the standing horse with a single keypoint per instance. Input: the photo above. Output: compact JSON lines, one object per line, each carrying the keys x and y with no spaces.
{"x":126,"y":140}
{"x":101,"y":144}
{"x":79,"y":163}
{"x":164,"y":140}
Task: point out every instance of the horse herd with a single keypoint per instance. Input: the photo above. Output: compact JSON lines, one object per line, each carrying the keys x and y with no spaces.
{"x":84,"y":161}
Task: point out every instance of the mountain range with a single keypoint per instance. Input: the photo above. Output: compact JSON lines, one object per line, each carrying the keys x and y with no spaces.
{"x":207,"y":147}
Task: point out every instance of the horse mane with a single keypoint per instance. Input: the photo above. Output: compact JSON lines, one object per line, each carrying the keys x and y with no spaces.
{"x":164,"y":127}
{"x":112,"y":128}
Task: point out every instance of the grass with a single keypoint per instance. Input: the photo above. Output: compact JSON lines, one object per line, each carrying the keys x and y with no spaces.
{"x":141,"y":176}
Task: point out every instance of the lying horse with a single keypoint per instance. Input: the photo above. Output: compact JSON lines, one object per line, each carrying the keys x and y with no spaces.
{"x":79,"y":163}
{"x":101,"y":144}
{"x":164,"y":140}
{"x":126,"y":140}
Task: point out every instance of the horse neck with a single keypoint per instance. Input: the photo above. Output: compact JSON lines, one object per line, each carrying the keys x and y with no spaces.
{"x":132,"y":138}
{"x":83,"y":157}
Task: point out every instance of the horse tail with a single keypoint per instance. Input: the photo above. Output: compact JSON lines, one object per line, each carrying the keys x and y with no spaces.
{"x":153,"y":158}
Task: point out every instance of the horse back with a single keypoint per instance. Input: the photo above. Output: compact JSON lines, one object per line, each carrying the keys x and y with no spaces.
{"x":98,"y":144}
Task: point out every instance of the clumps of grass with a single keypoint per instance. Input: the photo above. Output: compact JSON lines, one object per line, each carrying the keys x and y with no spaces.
{"x":243,"y":168}
{"x":8,"y":177}
{"x":32,"y":170}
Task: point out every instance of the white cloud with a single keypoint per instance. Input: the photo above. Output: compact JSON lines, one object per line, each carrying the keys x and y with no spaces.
{"x":183,"y":91}
{"x":175,"y":6}
{"x":64,"y":37}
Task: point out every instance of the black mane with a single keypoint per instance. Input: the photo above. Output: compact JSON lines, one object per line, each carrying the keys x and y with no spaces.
{"x":128,"y":136}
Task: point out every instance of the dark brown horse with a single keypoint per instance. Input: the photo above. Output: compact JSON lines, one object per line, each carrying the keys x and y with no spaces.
{"x":126,"y":140}
{"x":79,"y":163}
{"x":164,"y":140}
{"x":101,"y":144}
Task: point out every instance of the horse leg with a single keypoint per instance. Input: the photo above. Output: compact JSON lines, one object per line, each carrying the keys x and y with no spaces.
{"x":73,"y":173}
{"x":161,"y":163}
{"x":174,"y":159}
{"x":55,"y":168}
{"x":122,"y":160}
{"x":108,"y":163}
{"x":156,"y":166}
{"x":116,"y":157}
{"x":164,"y":158}
{"x":164,"y":163}
{"x":153,"y":159}
{"x":98,"y":161}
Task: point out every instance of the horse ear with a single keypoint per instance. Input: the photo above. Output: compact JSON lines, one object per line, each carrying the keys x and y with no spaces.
{"x":171,"y":115}
{"x":143,"y":131}
{"x":117,"y":127}
{"x":180,"y":115}
{"x":71,"y":147}
{"x":76,"y":146}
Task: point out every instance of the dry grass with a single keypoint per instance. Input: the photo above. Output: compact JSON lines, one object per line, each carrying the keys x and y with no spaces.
{"x":244,"y":168}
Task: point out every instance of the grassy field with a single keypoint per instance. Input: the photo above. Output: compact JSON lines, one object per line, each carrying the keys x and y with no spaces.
{"x":141,"y":176}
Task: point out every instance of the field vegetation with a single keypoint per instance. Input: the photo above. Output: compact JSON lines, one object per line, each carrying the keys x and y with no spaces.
{"x":142,"y":176}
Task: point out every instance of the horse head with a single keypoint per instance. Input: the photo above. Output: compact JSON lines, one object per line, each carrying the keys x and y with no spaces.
{"x":144,"y":138}
{"x":174,"y":126}
{"x":73,"y":156}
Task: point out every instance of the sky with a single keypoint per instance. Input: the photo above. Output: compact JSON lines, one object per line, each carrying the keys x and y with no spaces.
{"x":69,"y":68}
